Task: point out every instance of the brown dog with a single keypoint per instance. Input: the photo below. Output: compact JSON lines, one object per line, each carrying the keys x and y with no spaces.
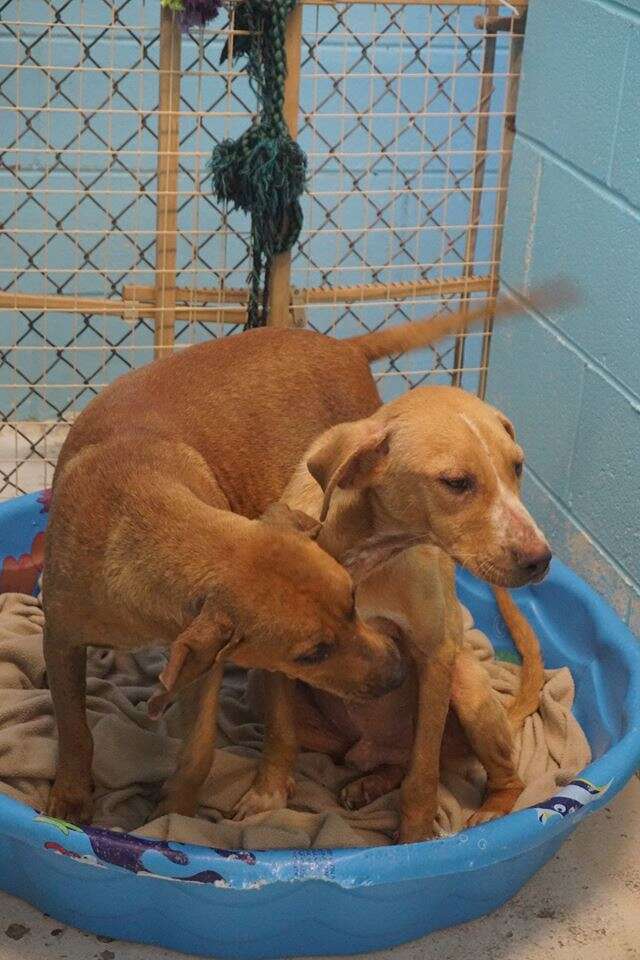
{"x":439,"y":467}
{"x":144,"y":548}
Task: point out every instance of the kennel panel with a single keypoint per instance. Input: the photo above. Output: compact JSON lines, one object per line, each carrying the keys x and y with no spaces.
{"x":107,"y":253}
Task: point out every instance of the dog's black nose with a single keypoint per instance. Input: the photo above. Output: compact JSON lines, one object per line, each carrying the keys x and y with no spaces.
{"x":390,"y":680}
{"x":533,"y":563}
{"x":398,"y":674}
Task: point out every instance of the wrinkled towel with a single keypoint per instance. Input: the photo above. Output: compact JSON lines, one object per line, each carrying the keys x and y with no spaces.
{"x":134,"y":755}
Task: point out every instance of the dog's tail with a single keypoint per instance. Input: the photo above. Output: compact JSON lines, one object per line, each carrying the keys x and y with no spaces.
{"x":421,"y":333}
{"x":527,"y":644}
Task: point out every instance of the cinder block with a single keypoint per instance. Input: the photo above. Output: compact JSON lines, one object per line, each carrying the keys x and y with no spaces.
{"x":572,"y":74}
{"x":625,"y":168}
{"x":537,"y":382}
{"x":524,"y":187}
{"x":604,"y":483}
{"x":582,"y":234}
{"x":577,"y":549}
{"x":632,"y":5}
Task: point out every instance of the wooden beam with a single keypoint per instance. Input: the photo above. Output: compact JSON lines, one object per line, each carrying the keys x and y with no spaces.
{"x":167,"y":194}
{"x":360,"y":293}
{"x":506,"y":153}
{"x":130,"y":310}
{"x":487,"y":86}
{"x":191,"y":295}
{"x":69,"y":304}
{"x":279,"y":312}
{"x":390,"y":291}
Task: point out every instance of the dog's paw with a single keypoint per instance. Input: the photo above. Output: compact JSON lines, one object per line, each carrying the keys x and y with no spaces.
{"x":361,"y":792}
{"x":260,"y":800}
{"x":416,"y":831}
{"x":482,"y":816}
{"x":74,"y":804}
{"x":183,"y":803}
{"x":498,"y":803}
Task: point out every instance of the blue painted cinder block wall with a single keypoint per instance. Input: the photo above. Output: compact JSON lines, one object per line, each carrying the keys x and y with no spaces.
{"x":571,"y":380}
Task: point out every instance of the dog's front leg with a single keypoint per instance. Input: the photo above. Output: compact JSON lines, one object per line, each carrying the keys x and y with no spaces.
{"x":486,"y":725}
{"x":71,"y":796}
{"x":274,"y":781}
{"x":419,"y":790}
{"x":182,"y":789}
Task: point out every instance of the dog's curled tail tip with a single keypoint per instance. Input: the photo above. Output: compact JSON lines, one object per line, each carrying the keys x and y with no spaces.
{"x":558,"y":294}
{"x":527,"y":699}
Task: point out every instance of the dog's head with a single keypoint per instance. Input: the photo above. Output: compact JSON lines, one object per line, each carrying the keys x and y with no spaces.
{"x":294,"y":613}
{"x":441,"y":466}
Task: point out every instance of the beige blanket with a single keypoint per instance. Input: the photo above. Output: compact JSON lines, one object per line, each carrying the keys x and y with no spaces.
{"x":134,"y":755}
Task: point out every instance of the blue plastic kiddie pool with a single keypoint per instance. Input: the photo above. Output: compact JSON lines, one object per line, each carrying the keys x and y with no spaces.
{"x":289,"y":902}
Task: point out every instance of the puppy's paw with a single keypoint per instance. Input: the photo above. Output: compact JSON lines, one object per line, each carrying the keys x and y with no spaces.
{"x":363,"y":791}
{"x":259,"y":799}
{"x":497,"y":804}
{"x":482,"y":816}
{"x":72,"y":803}
{"x":181,"y":802}
{"x":416,"y":831}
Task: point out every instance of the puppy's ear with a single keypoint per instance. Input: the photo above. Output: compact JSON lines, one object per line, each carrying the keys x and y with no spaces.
{"x":506,"y":423}
{"x":206,"y":641}
{"x":351,"y":459}
{"x":282,"y":517}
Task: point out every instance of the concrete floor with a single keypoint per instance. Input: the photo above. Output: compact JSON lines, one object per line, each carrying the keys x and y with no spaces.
{"x":586,"y":902}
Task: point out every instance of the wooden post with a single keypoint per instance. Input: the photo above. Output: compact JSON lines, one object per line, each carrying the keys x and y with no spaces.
{"x":167,"y":192}
{"x":480,"y":161}
{"x":280,"y":312}
{"x":508,"y":136}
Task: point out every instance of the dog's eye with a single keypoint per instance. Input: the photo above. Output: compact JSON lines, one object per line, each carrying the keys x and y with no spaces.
{"x":317,"y":654}
{"x":458,"y":484}
{"x":518,"y":468}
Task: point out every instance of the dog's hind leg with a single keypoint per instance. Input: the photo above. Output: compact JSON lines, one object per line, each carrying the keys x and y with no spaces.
{"x":71,"y":796}
{"x":487,"y":728}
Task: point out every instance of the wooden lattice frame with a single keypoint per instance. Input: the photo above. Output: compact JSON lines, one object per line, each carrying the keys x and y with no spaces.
{"x":165,"y":302}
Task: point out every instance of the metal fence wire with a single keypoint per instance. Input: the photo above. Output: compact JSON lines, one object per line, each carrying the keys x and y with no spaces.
{"x":112,"y":246}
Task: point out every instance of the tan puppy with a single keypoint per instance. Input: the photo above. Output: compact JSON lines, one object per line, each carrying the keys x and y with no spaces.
{"x":437,"y":467}
{"x":144,"y":548}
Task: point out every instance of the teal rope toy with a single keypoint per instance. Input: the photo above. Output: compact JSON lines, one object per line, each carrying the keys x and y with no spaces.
{"x":263,"y":172}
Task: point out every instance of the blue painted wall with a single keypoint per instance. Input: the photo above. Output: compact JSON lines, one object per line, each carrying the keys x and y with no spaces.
{"x":571,"y":380}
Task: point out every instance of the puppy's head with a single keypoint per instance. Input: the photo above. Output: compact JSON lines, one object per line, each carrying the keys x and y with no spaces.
{"x":293,"y":612}
{"x":441,"y":466}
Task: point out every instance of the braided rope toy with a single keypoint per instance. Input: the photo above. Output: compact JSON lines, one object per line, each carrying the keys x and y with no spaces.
{"x":264,"y":171}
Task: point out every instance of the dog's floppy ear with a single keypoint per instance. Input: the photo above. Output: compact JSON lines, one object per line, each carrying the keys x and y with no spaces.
{"x":350,"y":459}
{"x":506,"y":423}
{"x":282,"y":517}
{"x":206,"y":641}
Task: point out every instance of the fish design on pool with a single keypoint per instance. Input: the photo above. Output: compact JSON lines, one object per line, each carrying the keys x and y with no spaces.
{"x":126,"y":851}
{"x":574,"y":797}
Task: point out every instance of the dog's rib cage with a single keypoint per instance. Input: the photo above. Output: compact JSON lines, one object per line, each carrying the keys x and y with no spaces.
{"x":112,"y":246}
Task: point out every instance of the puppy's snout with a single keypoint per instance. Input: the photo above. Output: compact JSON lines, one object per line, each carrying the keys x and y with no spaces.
{"x":533,"y":563}
{"x":391,"y":677}
{"x":397,"y":673}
